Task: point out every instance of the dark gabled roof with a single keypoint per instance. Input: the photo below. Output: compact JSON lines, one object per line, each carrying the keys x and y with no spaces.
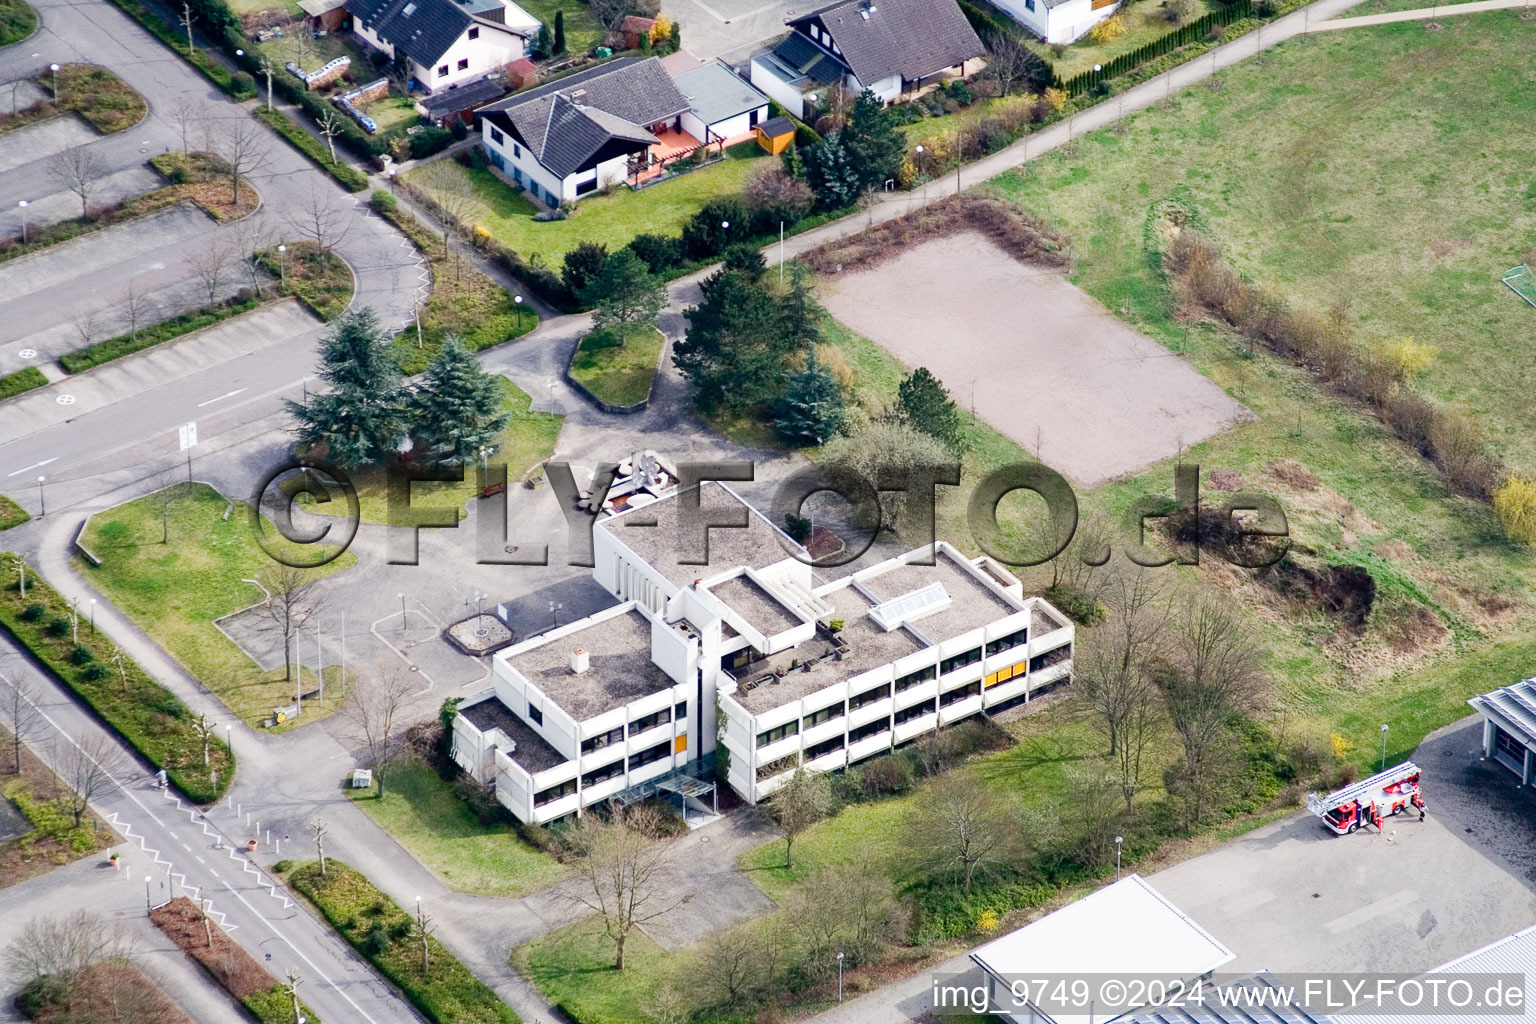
{"x":808,"y":60}
{"x":912,"y":38}
{"x":775,"y":127}
{"x":565,"y":123}
{"x":638,"y":89}
{"x":563,"y":135}
{"x":451,"y":101}
{"x":423,"y":29}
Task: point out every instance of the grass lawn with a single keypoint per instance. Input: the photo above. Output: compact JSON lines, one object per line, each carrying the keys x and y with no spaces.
{"x":612,"y":219}
{"x":11,"y":514}
{"x":105,"y":101}
{"x":618,"y":374}
{"x":422,"y":814}
{"x":393,"y":112}
{"x":573,"y":967}
{"x":175,"y":591}
{"x":1385,"y":6}
{"x":54,"y":839}
{"x":316,"y":277}
{"x":582,"y":31}
{"x":1143,"y":22}
{"x":311,"y":54}
{"x":528,"y":440}
{"x":17,"y":21}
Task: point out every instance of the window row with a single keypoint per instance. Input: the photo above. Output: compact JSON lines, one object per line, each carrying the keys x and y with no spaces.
{"x":912,"y":679}
{"x":959,"y":693}
{"x":778,"y":732}
{"x":1007,"y":643}
{"x":868,"y":697}
{"x":1005,"y":673}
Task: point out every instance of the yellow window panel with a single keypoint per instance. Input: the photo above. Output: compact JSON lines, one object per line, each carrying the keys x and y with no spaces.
{"x":680,"y":744}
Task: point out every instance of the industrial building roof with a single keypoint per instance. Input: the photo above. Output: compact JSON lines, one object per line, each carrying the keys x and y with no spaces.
{"x":530,"y":750}
{"x":619,"y":670}
{"x":1513,"y":706}
{"x":1514,"y":954}
{"x":972,"y":603}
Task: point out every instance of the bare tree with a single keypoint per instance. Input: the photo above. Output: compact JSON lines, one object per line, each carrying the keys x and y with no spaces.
{"x":320,"y":218}
{"x":1213,"y":674}
{"x":202,"y":911}
{"x":163,"y":498}
{"x":1090,"y":814}
{"x":137,"y":309}
{"x":185,"y":112}
{"x":850,"y":907}
{"x":330,"y":125}
{"x":1116,"y":677}
{"x":245,"y":149}
{"x":804,"y":799}
{"x":293,"y":991}
{"x":250,"y":238}
{"x":289,"y":603}
{"x":617,"y":866}
{"x":55,"y":950}
{"x":79,"y":170}
{"x":1078,"y":571}
{"x":205,"y":730}
{"x":317,"y":827}
{"x":22,"y":714}
{"x":728,"y":966}
{"x":19,"y":564}
{"x":211,"y":266}
{"x":375,"y":714}
{"x":458,"y":207}
{"x":610,"y":12}
{"x":961,"y":826}
{"x":1011,"y":63}
{"x":88,"y":328}
{"x":88,"y":768}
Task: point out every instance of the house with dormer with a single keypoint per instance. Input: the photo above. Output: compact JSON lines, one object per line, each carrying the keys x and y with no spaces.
{"x":890,"y":47}
{"x":446,"y":43}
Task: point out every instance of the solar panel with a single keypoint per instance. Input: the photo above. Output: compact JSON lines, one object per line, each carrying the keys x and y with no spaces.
{"x":925,"y":600}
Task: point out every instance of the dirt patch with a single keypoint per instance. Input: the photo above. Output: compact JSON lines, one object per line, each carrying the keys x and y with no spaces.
{"x":1293,"y":474}
{"x":225,"y":960}
{"x":1225,"y":480}
{"x":1394,"y":551}
{"x":1345,"y":593}
{"x":126,"y":989}
{"x":1038,"y":359}
{"x":1443,"y":247}
{"x":1488,"y":610}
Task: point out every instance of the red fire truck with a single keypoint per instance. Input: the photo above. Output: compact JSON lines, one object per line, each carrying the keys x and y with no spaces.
{"x":1368,"y":801}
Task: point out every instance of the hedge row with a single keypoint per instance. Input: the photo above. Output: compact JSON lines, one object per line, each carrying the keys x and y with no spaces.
{"x":240,"y":86}
{"x":165,"y":330}
{"x":389,"y":939}
{"x":1194,"y":31}
{"x":149,"y":717}
{"x":26,"y":379}
{"x":350,"y":177}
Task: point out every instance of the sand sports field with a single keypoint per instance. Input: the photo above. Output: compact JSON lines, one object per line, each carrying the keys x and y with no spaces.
{"x":1042,"y":361}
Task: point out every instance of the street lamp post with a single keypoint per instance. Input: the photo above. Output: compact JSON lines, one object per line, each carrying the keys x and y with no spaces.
{"x":1383,"y":746}
{"x":21,"y":204}
{"x":1118,"y":841}
{"x":149,"y":905}
{"x":518,"y":299}
{"x":554,"y":610}
{"x":93,"y":616}
{"x":55,"y":69}
{"x":393,"y":170}
{"x":919,"y":151}
{"x":404,"y":622}
{"x":839,"y":977}
{"x":42,"y":498}
{"x":282,"y":266}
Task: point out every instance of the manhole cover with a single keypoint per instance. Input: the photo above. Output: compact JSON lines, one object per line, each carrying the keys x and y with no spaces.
{"x":65,"y":399}
{"x":28,"y":353}
{"x":415,"y":669}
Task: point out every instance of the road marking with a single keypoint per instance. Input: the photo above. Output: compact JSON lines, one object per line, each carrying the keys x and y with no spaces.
{"x":1370,"y":911}
{"x":198,"y":859}
{"x":65,"y":399}
{"x":34,"y":465}
{"x":221,"y":398}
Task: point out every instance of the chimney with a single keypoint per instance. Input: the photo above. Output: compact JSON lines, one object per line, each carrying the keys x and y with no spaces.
{"x":579,"y":661}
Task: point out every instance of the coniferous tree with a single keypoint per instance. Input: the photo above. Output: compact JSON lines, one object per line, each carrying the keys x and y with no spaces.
{"x":735,"y":350}
{"x":559,"y":32}
{"x":624,"y":293}
{"x":800,"y":316}
{"x":583,"y":264}
{"x":926,"y":406}
{"x":830,"y":172}
{"x":457,"y":408}
{"x":357,"y":419}
{"x":875,"y":145}
{"x":813,"y":407}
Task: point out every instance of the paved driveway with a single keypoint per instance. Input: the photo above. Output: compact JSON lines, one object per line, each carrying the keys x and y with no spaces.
{"x":730,"y":29}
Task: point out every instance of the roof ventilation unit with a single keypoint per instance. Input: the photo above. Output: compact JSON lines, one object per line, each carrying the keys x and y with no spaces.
{"x":580,"y":661}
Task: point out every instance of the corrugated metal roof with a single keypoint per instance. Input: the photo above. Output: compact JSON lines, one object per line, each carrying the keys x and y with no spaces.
{"x":1513,"y":707}
{"x":1515,"y":954}
{"x":1211,"y":1012}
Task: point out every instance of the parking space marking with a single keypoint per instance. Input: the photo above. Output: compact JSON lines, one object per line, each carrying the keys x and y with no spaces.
{"x":1399,"y":900}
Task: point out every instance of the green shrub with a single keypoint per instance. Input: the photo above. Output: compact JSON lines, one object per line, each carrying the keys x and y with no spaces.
{"x":275,"y":1006}
{"x":950,"y":912}
{"x":57,"y":626}
{"x":155,"y":334}
{"x":32,"y":612}
{"x":81,"y":655}
{"x":383,"y":202}
{"x":28,"y":378}
{"x":241,"y":85}
{"x":282,"y":867}
{"x":94,"y":672}
{"x":428,"y":141}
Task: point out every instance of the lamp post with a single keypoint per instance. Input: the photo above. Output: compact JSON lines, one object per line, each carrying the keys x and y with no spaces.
{"x":282,"y":266}
{"x":1118,"y":841}
{"x":55,"y":69}
{"x":554,"y":611}
{"x":21,"y":204}
{"x":404,"y":622}
{"x":839,"y":977}
{"x":518,"y":299}
{"x":149,"y":905}
{"x":93,"y":616}
{"x":42,"y":498}
{"x":918,"y":153}
{"x":393,"y":170}
{"x":1383,"y":746}
{"x":725,"y":227}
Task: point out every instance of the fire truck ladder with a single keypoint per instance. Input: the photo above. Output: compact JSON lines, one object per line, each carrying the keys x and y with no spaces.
{"x":1364,"y":790}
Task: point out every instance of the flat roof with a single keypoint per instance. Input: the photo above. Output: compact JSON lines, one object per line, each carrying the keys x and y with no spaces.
{"x":869,"y":647}
{"x":716,"y":93}
{"x":1126,"y":929}
{"x":762,"y":610}
{"x":658,"y":540}
{"x":532,"y":752}
{"x":972,"y":605}
{"x":1513,"y":706}
{"x":619,"y":670}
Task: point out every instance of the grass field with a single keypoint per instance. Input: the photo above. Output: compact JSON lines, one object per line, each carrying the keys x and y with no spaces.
{"x":11,"y":514}
{"x":1143,"y":22}
{"x":17,"y":21}
{"x":175,"y":590}
{"x":619,"y":374}
{"x":422,"y":814}
{"x":393,"y":111}
{"x":528,"y":439}
{"x":573,"y":967}
{"x":582,"y":31}
{"x":612,"y":219}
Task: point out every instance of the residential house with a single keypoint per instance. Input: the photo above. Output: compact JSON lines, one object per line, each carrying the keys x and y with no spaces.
{"x":890,"y":47}
{"x":751,"y":651}
{"x":1059,"y":21}
{"x":446,"y":43}
{"x":722,"y":106}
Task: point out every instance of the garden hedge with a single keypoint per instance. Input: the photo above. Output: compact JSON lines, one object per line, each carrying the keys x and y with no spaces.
{"x":388,"y":938}
{"x":350,"y":177}
{"x":214,"y":71}
{"x":147,"y":716}
{"x":26,"y":379}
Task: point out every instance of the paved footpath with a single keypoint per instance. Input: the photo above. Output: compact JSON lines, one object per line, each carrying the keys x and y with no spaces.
{"x":1432,"y":13}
